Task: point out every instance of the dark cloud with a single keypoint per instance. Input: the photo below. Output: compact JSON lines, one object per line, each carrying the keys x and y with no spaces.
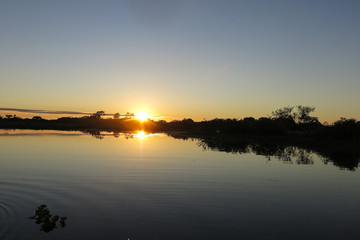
{"x":58,"y":112}
{"x":43,"y":111}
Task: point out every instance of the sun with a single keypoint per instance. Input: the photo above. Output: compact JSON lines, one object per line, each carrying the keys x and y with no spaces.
{"x":143,"y":116}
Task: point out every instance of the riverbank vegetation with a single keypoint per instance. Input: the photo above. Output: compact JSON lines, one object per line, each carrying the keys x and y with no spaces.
{"x":295,"y":122}
{"x":274,"y":135}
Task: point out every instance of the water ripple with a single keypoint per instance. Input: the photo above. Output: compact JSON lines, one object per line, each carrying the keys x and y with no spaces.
{"x":6,"y":216}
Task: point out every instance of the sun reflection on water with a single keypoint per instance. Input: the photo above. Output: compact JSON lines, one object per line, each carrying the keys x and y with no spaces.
{"x":141,"y":134}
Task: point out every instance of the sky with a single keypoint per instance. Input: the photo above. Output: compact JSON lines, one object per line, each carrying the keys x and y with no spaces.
{"x":181,"y":59}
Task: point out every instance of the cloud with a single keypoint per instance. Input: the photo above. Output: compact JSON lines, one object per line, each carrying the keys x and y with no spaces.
{"x":58,"y":112}
{"x":43,"y":111}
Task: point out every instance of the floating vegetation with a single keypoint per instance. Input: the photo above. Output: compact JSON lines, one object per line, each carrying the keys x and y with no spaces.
{"x":46,"y":220}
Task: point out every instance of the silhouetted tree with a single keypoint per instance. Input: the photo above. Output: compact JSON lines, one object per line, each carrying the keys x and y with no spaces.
{"x":284,"y":113}
{"x":302,"y":114}
{"x":16,"y":117}
{"x":37,"y":118}
{"x":250,"y":119}
{"x":97,"y":115}
{"x":129,"y":115}
{"x":8,"y":116}
{"x":116,"y":115}
{"x":346,"y":129}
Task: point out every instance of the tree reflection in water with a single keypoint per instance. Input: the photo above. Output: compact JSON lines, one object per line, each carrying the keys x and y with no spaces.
{"x":116,"y":134}
{"x":287,"y":154}
{"x":343,"y":155}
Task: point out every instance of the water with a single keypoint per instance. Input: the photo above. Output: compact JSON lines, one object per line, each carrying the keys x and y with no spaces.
{"x":158,"y":187}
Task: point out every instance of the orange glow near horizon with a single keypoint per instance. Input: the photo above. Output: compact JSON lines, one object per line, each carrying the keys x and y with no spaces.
{"x":143,"y":116}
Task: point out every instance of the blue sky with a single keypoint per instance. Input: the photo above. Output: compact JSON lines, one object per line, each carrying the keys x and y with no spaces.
{"x":198,"y":59}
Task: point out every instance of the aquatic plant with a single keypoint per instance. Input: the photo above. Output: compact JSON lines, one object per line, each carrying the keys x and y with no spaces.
{"x":46,"y":220}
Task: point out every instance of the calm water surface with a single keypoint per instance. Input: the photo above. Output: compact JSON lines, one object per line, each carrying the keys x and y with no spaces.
{"x":158,"y":187}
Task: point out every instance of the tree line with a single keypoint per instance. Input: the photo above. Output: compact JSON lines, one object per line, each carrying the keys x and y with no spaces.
{"x":294,"y":121}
